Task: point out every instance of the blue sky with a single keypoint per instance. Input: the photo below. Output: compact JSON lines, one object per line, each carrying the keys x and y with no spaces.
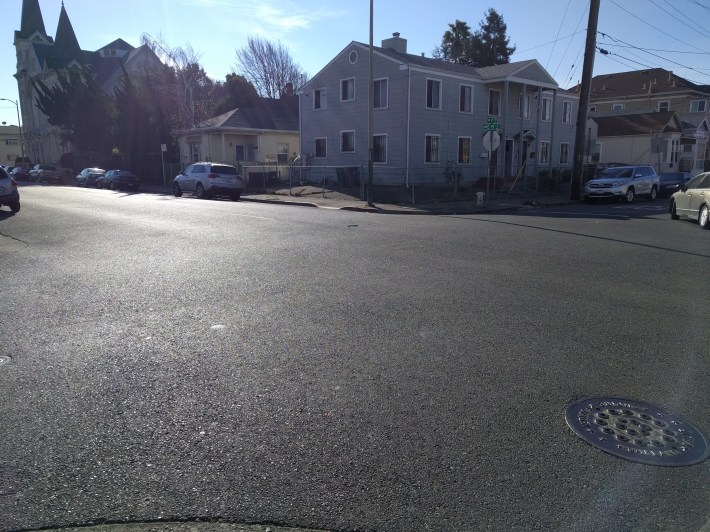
{"x":673,"y":34}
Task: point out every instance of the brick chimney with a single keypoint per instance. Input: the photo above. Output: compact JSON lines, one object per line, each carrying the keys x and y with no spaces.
{"x":396,"y":43}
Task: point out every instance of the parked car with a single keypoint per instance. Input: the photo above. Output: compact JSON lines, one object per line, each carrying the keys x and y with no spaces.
{"x":206,"y":179}
{"x":624,"y":183}
{"x":46,"y":172}
{"x":672,"y":182}
{"x":20,"y":174}
{"x":9,"y":195}
{"x":119,"y":180}
{"x":693,"y":201}
{"x":88,"y":177}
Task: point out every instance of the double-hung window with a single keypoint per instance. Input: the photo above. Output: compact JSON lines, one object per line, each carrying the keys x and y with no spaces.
{"x":544,"y":152}
{"x":379,"y":149}
{"x":664,"y":105}
{"x":466,"y":99}
{"x":564,"y":153}
{"x":524,"y":106}
{"x":380,"y":94}
{"x":321,"y":147}
{"x":319,"y":99}
{"x":566,"y":112}
{"x":431,"y":148}
{"x":546,"y":110}
{"x":494,"y":102}
{"x":464,"y":150}
{"x":347,"y":141}
{"x":347,"y":90}
{"x":698,"y":106}
{"x":433,"y":94}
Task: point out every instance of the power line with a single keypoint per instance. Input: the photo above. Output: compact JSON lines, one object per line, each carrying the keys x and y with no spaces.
{"x":570,"y":41}
{"x":699,"y":4}
{"x":608,"y":53}
{"x":558,"y":34}
{"x":682,"y":22}
{"x":684,"y":15}
{"x":548,"y":43}
{"x":654,"y":27}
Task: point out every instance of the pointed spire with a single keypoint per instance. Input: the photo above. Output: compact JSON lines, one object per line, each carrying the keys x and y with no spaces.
{"x":31,"y":19}
{"x":66,"y":45}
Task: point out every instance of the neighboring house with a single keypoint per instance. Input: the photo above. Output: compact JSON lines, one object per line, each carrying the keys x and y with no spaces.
{"x":658,"y":90}
{"x":637,"y":138}
{"x":266,"y":132}
{"x":430,"y":114}
{"x":10,"y":148}
{"x":39,"y":56}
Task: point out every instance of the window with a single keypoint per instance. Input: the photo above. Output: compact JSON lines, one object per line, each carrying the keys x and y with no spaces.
{"x":380,"y":94}
{"x":282,"y":153}
{"x":347,"y":141}
{"x":664,"y":105}
{"x":239,"y":153}
{"x":347,"y":90}
{"x":464,"y":150}
{"x":546,"y":109}
{"x":494,"y":102}
{"x":321,"y":147}
{"x":698,"y":106}
{"x":353,"y":57}
{"x":564,"y":153}
{"x":466,"y":99}
{"x":617,"y":106}
{"x":379,"y":148}
{"x":194,"y":152}
{"x":566,"y":112}
{"x":11,"y":142}
{"x":524,"y":106}
{"x":673,"y":152}
{"x":593,"y":109}
{"x":431,"y":149}
{"x":544,"y":152}
{"x":319,"y":99}
{"x":433,"y":94}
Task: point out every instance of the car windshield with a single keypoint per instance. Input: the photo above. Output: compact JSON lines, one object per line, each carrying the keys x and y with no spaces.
{"x":671,"y":177}
{"x":617,"y":172}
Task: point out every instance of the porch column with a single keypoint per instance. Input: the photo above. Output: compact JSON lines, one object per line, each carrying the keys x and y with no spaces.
{"x":501,"y":148}
{"x":522,"y":130}
{"x":224,"y":148}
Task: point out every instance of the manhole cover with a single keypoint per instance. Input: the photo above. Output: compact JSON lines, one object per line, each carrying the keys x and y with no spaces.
{"x":4,"y":359}
{"x":637,"y":431}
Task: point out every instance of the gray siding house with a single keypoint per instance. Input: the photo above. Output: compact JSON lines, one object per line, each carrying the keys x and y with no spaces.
{"x":429,"y":117}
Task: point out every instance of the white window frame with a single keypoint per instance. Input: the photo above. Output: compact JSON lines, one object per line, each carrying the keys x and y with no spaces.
{"x":315,"y":147}
{"x":373,"y":147}
{"x":667,"y":105}
{"x":342,"y":136}
{"x":565,"y":161}
{"x":322,"y":99}
{"x":438,"y":148}
{"x":567,"y":107}
{"x":462,"y":99}
{"x":673,"y":153}
{"x":546,"y":152}
{"x":618,"y":106}
{"x":387,"y":101}
{"x":497,"y":111}
{"x":426,"y":102}
{"x":470,"y":150}
{"x":699,"y":106}
{"x":351,"y":83}
{"x":524,"y":106}
{"x":546,"y":110}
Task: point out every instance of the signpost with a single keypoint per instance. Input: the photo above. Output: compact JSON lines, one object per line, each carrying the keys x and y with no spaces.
{"x":491,"y":141}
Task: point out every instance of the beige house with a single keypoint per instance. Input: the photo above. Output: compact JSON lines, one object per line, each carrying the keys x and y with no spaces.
{"x":659,"y":90}
{"x":266,"y":133}
{"x":10,"y":148}
{"x":638,"y":138}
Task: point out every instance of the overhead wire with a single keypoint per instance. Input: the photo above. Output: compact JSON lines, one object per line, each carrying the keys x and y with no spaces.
{"x":570,"y":41}
{"x":682,"y":22}
{"x":684,"y":15}
{"x":558,"y":34}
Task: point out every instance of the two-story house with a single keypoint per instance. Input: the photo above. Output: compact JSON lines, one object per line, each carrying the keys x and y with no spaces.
{"x":659,"y":90}
{"x":430,"y":114}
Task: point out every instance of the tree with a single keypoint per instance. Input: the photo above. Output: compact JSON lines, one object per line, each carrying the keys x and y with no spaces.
{"x":236,"y":91}
{"x":269,"y":67}
{"x":488,"y":46}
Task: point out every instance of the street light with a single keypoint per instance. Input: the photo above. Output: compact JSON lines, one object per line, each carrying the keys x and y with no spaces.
{"x":22,"y":144}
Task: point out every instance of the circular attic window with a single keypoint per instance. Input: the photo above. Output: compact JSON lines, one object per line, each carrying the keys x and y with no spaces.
{"x":353,"y":57}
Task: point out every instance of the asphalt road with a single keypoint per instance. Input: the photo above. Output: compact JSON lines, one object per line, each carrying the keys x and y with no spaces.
{"x":178,"y":359}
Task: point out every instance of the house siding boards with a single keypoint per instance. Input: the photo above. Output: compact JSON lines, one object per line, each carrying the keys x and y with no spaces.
{"x":407,"y":120}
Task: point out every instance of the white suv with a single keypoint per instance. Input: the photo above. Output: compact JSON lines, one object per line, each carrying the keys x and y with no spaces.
{"x":625,"y":183}
{"x":8,"y":192}
{"x":209,"y":179}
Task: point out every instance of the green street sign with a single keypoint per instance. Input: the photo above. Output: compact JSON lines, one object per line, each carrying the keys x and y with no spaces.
{"x":491,"y":127}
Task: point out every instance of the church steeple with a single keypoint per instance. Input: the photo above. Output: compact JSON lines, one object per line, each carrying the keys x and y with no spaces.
{"x":31,"y":19}
{"x":66,"y":45}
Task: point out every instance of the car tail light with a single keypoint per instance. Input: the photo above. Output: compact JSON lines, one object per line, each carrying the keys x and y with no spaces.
{"x":14,"y":183}
{"x":212,"y":176}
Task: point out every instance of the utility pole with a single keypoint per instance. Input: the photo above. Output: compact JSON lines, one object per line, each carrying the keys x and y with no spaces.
{"x":370,"y":91}
{"x":575,"y":192}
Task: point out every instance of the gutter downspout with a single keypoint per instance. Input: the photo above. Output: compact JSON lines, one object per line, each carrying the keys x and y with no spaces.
{"x":522,"y":129}
{"x":552,"y":134}
{"x":537,"y":139}
{"x":501,"y":156}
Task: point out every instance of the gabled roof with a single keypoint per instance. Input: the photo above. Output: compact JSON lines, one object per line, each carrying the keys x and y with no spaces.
{"x":637,"y":124}
{"x":118,"y":44}
{"x":66,"y":46}
{"x":266,"y":113}
{"x":32,"y":20}
{"x":640,"y":83}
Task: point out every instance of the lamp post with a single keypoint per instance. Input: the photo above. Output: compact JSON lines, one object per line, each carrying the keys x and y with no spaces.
{"x":22,"y":144}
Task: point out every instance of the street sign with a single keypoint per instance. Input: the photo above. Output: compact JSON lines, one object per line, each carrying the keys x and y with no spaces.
{"x":491,"y":125}
{"x":491,"y":140}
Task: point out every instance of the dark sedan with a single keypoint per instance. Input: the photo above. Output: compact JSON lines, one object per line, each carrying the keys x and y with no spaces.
{"x":20,"y":174}
{"x":119,"y":180}
{"x":89,"y":177}
{"x":672,"y":182}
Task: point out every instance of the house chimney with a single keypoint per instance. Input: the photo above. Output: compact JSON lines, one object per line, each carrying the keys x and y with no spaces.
{"x":670,"y":75}
{"x":396,"y":43}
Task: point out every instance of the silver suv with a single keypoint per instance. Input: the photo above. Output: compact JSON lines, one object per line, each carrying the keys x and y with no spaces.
{"x":206,"y":179}
{"x":625,"y":183}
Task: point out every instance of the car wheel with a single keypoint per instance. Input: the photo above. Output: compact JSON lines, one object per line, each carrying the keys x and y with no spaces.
{"x":630,"y":195}
{"x":235,"y":196}
{"x":704,"y":217}
{"x":114,"y":186}
{"x":671,"y":209}
{"x":15,"y":206}
{"x":654,"y":193}
{"x":177,"y":191}
{"x":200,"y":191}
{"x":77,"y":183}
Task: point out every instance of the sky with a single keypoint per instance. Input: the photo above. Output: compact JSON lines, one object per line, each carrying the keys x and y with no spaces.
{"x":637,"y":34}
